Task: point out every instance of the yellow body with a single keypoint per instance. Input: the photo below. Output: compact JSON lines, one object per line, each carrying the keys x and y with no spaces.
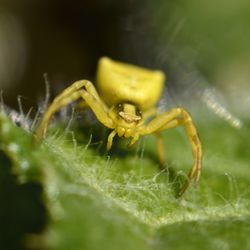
{"x":120,"y":82}
{"x":125,"y":97}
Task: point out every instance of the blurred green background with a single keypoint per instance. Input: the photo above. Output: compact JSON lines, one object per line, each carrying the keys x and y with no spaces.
{"x":66,"y":38}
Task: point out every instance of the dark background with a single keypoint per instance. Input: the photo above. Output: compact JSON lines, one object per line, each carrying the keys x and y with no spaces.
{"x":188,"y":40}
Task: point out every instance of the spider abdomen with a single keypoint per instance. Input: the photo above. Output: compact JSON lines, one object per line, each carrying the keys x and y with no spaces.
{"x":128,"y":83}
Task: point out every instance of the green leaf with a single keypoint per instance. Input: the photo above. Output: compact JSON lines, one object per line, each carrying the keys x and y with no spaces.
{"x":64,"y":194}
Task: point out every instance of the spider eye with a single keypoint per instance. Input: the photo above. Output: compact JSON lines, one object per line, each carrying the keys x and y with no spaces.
{"x":120,"y":107}
{"x":138,"y":112}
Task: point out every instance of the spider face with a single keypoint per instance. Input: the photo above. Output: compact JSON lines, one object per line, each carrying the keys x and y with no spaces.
{"x":126,"y":118}
{"x":129,"y":113}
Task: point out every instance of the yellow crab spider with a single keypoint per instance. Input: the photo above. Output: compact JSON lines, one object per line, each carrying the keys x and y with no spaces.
{"x":124,"y":100}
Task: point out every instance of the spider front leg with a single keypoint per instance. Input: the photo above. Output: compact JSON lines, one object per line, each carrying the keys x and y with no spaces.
{"x":171,"y":119}
{"x":81,"y":89}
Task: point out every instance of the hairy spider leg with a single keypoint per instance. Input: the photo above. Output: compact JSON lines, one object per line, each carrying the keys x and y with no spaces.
{"x":81,"y":89}
{"x":171,"y":119}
